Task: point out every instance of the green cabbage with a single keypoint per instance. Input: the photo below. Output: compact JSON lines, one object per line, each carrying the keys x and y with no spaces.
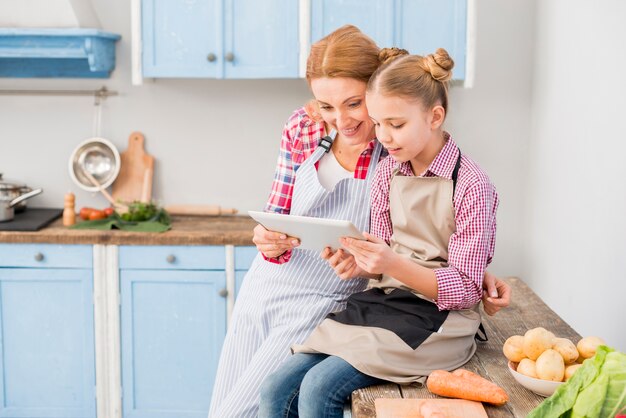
{"x":615,"y":367}
{"x":596,"y":390}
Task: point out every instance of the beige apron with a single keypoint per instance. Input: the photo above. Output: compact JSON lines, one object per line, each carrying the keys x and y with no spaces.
{"x":390,"y":331}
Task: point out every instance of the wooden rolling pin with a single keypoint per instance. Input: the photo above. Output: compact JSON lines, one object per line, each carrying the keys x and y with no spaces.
{"x":199,"y":210}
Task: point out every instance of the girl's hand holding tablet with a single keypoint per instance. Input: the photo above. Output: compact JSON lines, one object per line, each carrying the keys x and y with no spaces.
{"x":343,"y":263}
{"x":366,"y":258}
{"x":373,"y":255}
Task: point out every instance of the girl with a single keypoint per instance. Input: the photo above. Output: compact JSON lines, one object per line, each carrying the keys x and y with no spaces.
{"x":437,"y":210}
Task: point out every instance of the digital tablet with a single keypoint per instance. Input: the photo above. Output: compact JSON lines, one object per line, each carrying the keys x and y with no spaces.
{"x":314,"y":233}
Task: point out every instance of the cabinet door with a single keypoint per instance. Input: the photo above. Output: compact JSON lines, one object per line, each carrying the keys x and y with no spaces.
{"x":47,"y":363}
{"x":419,"y":26}
{"x":173,"y":326}
{"x":261,"y":39}
{"x":424,"y":25}
{"x":181,"y":38}
{"x":372,"y":17}
{"x":243,"y":259}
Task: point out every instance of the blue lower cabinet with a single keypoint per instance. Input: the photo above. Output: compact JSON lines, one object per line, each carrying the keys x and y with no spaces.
{"x":173,"y":323}
{"x":47,"y":361}
{"x":243,"y":259}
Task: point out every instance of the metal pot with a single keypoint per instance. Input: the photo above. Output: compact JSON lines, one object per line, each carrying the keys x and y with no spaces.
{"x":7,"y":212}
{"x":12,"y":190}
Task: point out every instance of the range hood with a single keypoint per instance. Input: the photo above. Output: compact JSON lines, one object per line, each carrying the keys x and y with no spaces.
{"x":54,"y":38}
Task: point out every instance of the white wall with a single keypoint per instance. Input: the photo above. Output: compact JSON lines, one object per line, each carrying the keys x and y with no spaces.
{"x":576,"y":235}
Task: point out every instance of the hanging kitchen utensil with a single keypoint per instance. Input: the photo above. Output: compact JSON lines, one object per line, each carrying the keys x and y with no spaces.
{"x":100,"y":158}
{"x":95,"y":155}
{"x":7,"y":212}
{"x":135,"y":178}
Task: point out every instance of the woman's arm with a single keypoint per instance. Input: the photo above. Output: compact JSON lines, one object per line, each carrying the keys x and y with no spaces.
{"x":276,"y":246}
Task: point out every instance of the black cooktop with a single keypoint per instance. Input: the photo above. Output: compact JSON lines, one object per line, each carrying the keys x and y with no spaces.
{"x":31,"y":219}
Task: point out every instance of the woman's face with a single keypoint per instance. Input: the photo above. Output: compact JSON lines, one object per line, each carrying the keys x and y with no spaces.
{"x":342,"y":105}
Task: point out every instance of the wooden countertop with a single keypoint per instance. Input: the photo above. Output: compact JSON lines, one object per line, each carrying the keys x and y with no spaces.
{"x":186,"y":230}
{"x":526,"y":311}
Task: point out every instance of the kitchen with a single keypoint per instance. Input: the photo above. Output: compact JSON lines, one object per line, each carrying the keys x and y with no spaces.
{"x":524,"y":114}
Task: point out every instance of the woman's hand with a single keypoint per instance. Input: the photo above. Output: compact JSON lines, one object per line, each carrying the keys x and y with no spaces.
{"x":342,"y":262}
{"x":496,"y":294}
{"x":272,"y":244}
{"x":373,"y":256}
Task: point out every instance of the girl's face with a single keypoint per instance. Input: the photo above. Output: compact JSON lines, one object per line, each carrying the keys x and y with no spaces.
{"x":403,"y":126}
{"x":342,"y":106}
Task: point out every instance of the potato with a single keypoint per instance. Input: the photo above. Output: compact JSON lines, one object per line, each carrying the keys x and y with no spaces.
{"x":513,"y":348}
{"x":587,"y":346}
{"x":569,"y":370}
{"x":566,"y":349}
{"x":550,"y":366}
{"x":536,"y":341}
{"x":527,"y":367}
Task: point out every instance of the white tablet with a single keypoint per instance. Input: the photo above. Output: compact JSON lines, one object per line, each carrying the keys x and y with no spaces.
{"x":314,"y":233}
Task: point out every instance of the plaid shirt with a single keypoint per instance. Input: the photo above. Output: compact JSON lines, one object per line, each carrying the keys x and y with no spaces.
{"x":472,"y":245}
{"x":301,"y":136}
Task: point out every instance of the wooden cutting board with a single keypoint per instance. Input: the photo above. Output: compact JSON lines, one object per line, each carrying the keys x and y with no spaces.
{"x":134,"y":181}
{"x":410,"y":408}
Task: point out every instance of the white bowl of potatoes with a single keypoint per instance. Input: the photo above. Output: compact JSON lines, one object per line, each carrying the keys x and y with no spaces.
{"x":541,"y":362}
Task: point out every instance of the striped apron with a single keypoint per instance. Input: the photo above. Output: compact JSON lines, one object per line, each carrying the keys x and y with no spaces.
{"x":280,"y":304}
{"x":391,"y":331}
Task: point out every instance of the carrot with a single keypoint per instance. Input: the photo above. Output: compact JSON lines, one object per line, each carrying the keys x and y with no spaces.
{"x":464,"y":384}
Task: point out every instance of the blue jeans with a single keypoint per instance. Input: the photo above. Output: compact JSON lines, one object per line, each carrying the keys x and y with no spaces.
{"x":311,"y":386}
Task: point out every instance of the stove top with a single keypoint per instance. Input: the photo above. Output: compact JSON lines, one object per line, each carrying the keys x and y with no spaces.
{"x":31,"y":219}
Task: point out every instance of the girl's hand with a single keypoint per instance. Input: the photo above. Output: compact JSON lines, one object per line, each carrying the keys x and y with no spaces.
{"x":272,"y":244}
{"x":496,"y":294}
{"x":373,"y":256}
{"x":343,"y":263}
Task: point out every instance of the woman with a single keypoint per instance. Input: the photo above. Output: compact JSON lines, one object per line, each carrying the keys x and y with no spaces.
{"x":288,"y":291}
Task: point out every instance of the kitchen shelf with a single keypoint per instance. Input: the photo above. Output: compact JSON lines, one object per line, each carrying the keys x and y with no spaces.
{"x":85,"y":53}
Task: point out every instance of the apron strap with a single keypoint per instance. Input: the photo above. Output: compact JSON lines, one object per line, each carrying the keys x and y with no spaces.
{"x":327,"y":141}
{"x":481,"y":334}
{"x":455,"y":172}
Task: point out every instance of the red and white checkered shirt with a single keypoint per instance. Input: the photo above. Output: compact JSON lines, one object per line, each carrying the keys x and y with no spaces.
{"x":300,"y":138}
{"x":472,"y":245}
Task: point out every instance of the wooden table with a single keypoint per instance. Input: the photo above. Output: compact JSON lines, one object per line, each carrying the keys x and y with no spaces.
{"x":526,"y":311}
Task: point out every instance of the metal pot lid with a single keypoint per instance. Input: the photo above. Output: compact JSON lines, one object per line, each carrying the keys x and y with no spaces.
{"x":10,"y":184}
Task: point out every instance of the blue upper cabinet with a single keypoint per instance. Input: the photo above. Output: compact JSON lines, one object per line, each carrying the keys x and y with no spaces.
{"x":419,"y":26}
{"x":180,"y":38}
{"x":373,"y":17}
{"x":220,"y":38}
{"x":261,"y":39}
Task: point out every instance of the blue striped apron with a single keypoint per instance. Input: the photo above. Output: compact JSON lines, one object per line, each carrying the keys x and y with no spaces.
{"x":280,"y":304}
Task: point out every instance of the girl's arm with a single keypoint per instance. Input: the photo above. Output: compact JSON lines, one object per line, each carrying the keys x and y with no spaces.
{"x":470,"y":248}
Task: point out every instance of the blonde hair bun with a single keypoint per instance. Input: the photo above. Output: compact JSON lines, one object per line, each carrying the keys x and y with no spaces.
{"x":387,"y":55}
{"x":439,"y":65}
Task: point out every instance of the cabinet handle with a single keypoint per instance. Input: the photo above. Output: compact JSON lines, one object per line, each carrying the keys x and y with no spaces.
{"x":171,"y":258}
{"x":223,"y":293}
{"x":39,"y":257}
{"x":230,"y":57}
{"x":211,"y":57}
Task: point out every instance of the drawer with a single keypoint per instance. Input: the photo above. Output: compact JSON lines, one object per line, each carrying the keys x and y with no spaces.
{"x":46,"y":255}
{"x":172,"y":257}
